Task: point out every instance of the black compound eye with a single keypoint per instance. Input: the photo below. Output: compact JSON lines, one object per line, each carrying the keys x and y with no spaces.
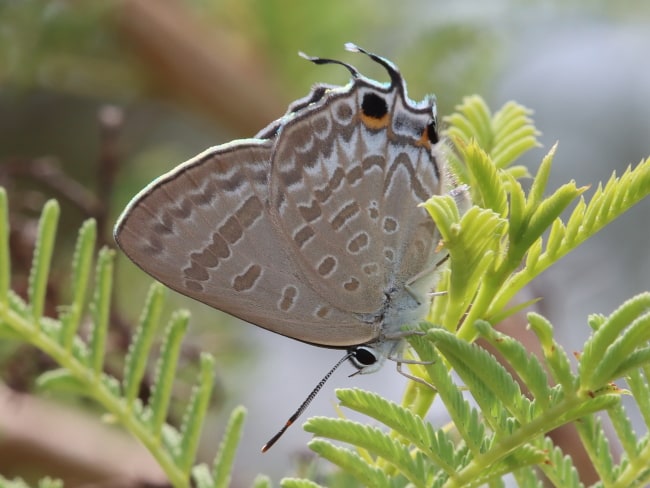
{"x":365,"y":356}
{"x":374,"y":106}
{"x":432,"y":132}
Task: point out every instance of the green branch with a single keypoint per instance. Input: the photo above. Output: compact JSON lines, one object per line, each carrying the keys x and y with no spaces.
{"x":80,"y":363}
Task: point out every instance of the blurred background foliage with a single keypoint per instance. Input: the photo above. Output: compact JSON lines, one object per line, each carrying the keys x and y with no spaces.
{"x":98,"y":97}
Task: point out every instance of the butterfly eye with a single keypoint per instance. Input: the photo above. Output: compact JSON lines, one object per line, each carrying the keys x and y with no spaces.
{"x":363,"y":356}
{"x":374,"y":106}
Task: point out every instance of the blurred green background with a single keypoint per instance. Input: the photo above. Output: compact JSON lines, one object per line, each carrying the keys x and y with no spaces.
{"x":97,"y":98}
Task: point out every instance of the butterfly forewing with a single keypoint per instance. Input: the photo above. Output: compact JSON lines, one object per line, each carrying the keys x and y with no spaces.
{"x":204,"y":230}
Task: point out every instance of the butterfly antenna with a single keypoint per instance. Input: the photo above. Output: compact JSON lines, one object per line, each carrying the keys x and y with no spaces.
{"x":304,"y":405}
{"x":353,"y":71}
{"x":395,"y":76}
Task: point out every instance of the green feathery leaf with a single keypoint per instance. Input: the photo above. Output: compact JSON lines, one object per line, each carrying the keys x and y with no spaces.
{"x":527,"y":366}
{"x":638,"y":383}
{"x":166,"y":369}
{"x":485,"y":180}
{"x":61,"y":380}
{"x":492,"y":386}
{"x":261,"y":481}
{"x":624,"y":430}
{"x":351,"y":463}
{"x":19,"y":483}
{"x":195,"y":414}
{"x":42,"y":258}
{"x":595,"y":443}
{"x":5,"y":263}
{"x":465,"y":418}
{"x":374,"y":441}
{"x":559,"y":468}
{"x":298,"y":483}
{"x":80,"y":367}
{"x":136,"y":359}
{"x":556,"y":357}
{"x":625,"y":330}
{"x":436,"y":445}
{"x":473,"y":241}
{"x":100,"y":309}
{"x":225,"y":457}
{"x":81,"y":269}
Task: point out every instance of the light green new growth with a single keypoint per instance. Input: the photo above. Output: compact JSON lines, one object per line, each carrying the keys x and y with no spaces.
{"x":496,"y":248}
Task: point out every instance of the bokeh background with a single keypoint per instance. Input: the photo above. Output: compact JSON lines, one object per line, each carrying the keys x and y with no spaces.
{"x":97,"y":98}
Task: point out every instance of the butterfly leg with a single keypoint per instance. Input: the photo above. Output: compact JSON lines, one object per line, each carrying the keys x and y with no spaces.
{"x":411,"y":377}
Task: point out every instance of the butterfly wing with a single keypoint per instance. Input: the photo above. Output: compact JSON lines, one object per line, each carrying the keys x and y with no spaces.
{"x":205,"y":231}
{"x":348,"y":173}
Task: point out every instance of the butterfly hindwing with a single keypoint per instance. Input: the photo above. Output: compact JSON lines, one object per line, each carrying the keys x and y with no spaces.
{"x":348,"y":173}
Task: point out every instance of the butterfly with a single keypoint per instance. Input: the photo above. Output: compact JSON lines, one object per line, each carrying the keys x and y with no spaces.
{"x":311,"y":229}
